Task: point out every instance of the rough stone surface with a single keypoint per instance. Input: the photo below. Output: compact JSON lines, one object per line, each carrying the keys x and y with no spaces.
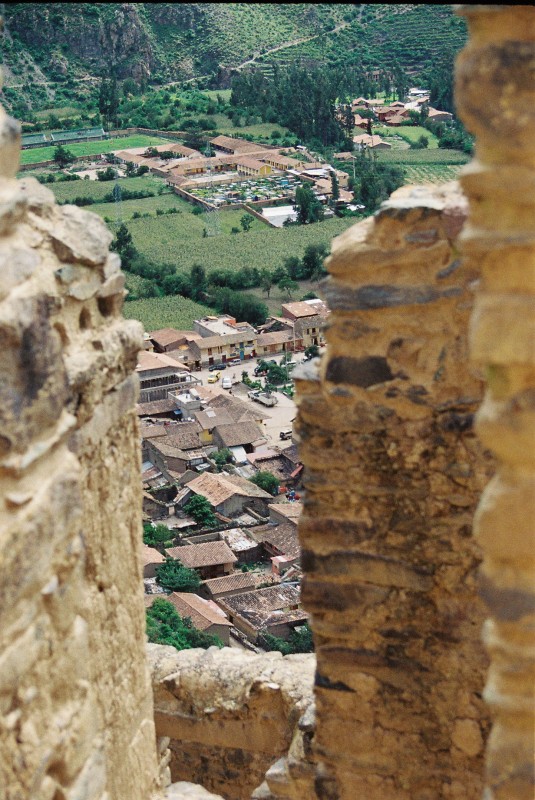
{"x":393,"y":474}
{"x":499,"y":62}
{"x":76,"y":719}
{"x":229,"y":714}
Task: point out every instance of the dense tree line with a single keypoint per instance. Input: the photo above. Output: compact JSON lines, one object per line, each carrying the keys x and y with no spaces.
{"x":301,"y":99}
{"x":374,"y":182}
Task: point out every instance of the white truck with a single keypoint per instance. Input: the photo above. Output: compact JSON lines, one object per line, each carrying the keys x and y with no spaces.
{"x":263,"y":397}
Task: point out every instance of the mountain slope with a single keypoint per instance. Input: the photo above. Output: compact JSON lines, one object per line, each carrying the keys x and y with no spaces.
{"x":63,"y":47}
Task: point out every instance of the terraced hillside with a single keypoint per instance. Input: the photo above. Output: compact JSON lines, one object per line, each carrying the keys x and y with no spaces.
{"x":54,"y":53}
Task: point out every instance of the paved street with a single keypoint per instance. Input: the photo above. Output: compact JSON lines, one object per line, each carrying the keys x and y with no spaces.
{"x":282,"y":414}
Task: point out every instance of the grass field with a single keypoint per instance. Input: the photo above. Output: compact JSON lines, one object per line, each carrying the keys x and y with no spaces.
{"x":165,"y":312}
{"x":36,"y":154}
{"x":410,"y":133}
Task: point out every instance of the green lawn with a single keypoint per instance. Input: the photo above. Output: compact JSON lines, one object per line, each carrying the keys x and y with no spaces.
{"x":165,"y":312}
{"x":36,"y":154}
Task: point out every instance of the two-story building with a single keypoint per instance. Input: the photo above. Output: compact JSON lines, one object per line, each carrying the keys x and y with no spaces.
{"x":159,"y":374}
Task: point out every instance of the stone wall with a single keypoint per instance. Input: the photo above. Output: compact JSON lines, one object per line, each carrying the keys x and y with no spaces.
{"x":75,"y":705}
{"x":393,"y":476}
{"x":495,"y":90}
{"x":230,"y":715}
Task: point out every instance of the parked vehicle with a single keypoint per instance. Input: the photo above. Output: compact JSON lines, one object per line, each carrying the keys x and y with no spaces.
{"x":214,"y":377}
{"x":221,"y":366}
{"x":234,"y":362}
{"x":212,"y":367}
{"x":226,"y":383}
{"x":253,"y":394}
{"x":266,"y":399}
{"x":286,"y":433}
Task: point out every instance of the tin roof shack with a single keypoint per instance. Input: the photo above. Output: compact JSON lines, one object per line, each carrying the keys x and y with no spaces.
{"x":230,"y":494}
{"x":228,"y":585}
{"x":274,"y":609}
{"x":205,"y":615}
{"x":150,"y":560}
{"x":210,"y":559}
{"x":243,"y":546}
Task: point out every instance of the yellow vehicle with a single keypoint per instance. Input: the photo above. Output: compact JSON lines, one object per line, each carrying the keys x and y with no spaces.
{"x":214,"y":377}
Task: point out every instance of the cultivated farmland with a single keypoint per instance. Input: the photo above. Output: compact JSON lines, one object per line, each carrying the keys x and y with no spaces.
{"x":177,"y":240}
{"x":165,"y":312}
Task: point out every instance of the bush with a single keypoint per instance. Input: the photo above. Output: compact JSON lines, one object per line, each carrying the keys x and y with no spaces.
{"x":267,"y":481}
{"x":174,"y":576}
{"x":298,"y":642}
{"x":197,"y":210}
{"x":153,"y":536}
{"x":200,"y":509}
{"x":166,"y":626}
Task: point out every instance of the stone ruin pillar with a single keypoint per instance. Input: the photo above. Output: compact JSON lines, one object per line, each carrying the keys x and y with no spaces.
{"x":76,"y":719}
{"x":495,"y":91}
{"x":393,"y":475}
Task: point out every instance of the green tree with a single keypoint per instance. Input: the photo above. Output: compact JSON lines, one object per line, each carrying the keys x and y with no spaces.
{"x":156,"y":535}
{"x":166,"y":626}
{"x":287,"y":285}
{"x":222,"y":456}
{"x":124,"y":246}
{"x":266,"y":280}
{"x":174,"y":576}
{"x":312,"y":352}
{"x":313,"y":259}
{"x":246,"y":221}
{"x":202,"y":512}
{"x":198,"y":280}
{"x":63,"y":157}
{"x":276,"y":374}
{"x":307,"y":205}
{"x":293,"y":267}
{"x":267,"y":481}
{"x":108,"y":99}
{"x":335,"y":187}
{"x":298,"y":642}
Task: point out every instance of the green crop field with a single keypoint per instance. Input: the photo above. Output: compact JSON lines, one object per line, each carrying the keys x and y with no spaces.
{"x":165,"y":312}
{"x":36,"y":154}
{"x":177,"y":240}
{"x":432,"y":173}
{"x":419,"y":157}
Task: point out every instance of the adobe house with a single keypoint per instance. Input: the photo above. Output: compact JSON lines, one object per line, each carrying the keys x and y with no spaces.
{"x":210,"y":559}
{"x":274,"y":609}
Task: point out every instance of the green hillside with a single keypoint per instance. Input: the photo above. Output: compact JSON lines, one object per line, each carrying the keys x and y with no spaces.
{"x":55,"y":53}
